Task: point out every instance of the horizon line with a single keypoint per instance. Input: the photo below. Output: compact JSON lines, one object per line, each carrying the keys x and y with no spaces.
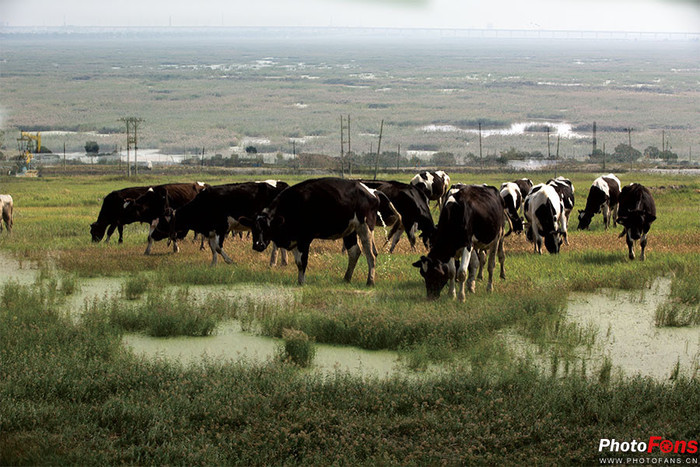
{"x":34,"y":28}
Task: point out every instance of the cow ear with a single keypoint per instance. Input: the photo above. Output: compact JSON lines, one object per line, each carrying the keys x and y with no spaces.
{"x":246,"y":221}
{"x":581,"y":211}
{"x":651,"y":218}
{"x":420,"y":262}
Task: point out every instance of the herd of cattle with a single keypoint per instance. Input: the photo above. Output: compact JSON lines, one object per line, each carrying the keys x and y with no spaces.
{"x":471,"y":227}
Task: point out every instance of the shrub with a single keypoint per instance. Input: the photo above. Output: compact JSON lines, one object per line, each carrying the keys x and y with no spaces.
{"x":297,"y":348}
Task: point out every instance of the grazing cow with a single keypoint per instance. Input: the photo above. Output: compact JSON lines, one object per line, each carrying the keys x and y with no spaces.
{"x":525,"y":185}
{"x":513,"y":200}
{"x":603,"y":196}
{"x":215,"y":211}
{"x":7,"y":207}
{"x":565,"y":190}
{"x":325,"y":208}
{"x":150,"y":206}
{"x":544,"y":210}
{"x":471,"y":220}
{"x":414,"y":210}
{"x":113,"y":213}
{"x":434,"y":185}
{"x":636,"y":212}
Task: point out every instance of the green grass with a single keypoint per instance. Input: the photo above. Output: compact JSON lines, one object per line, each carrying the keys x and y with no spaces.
{"x":72,"y":394}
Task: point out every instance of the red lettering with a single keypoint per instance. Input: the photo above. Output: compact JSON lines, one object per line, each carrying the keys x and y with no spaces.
{"x":653,"y":441}
{"x":692,"y":447}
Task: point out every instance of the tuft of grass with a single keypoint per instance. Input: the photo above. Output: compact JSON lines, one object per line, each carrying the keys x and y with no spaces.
{"x":297,"y":348}
{"x":136,"y":286}
{"x":682,"y":308}
{"x":675,"y":314}
{"x":171,"y":313}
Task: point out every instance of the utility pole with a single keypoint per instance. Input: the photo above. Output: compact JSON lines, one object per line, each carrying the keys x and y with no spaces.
{"x":379,"y":145}
{"x":595,"y":138}
{"x":549,"y":153}
{"x":132,"y":126}
{"x":344,"y":130}
{"x":603,"y":157}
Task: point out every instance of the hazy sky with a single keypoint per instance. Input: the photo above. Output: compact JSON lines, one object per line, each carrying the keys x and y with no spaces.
{"x":626,"y":15}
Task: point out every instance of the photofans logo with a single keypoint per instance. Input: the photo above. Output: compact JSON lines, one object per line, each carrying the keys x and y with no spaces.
{"x":681,"y":452}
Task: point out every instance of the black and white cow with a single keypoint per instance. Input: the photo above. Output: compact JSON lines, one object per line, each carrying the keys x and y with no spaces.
{"x":215,"y":212}
{"x":434,"y":185}
{"x":324,"y":208}
{"x":414,"y":210}
{"x":603,"y":196}
{"x":636,"y":212}
{"x":471,"y":220}
{"x":7,"y":208}
{"x":113,"y":213}
{"x":151,"y":205}
{"x":525,"y":185}
{"x":544,"y":211}
{"x":565,"y":190}
{"x":513,"y":200}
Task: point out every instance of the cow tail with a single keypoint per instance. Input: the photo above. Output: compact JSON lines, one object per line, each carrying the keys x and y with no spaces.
{"x":386,"y":204}
{"x":510,"y":223}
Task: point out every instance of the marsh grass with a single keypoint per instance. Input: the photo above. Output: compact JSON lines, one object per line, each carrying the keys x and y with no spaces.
{"x":72,"y":384}
{"x":297,"y":348}
{"x":134,"y":287}
{"x":167,"y":313}
{"x":682,"y":308}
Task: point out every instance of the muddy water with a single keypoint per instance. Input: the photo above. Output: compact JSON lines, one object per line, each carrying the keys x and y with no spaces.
{"x":627,"y":335}
{"x":13,"y":269}
{"x":230,"y":343}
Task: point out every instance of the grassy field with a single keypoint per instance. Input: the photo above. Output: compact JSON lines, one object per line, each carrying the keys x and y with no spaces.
{"x":72,"y":394}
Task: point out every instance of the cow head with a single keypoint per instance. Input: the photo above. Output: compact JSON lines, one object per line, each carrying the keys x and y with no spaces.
{"x":636,"y":223}
{"x":97,"y":231}
{"x":584,"y":220}
{"x":435,"y":273}
{"x":261,"y":229}
{"x":552,"y":241}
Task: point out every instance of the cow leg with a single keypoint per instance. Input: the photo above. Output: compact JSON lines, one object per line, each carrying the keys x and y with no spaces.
{"x":491,"y":265}
{"x":273,"y":255}
{"x":301,"y":258}
{"x":353,"y":249}
{"x":614,"y":215}
{"x":502,"y":257}
{"x":451,"y":273}
{"x":411,"y":234}
{"x":150,"y":238}
{"x":213,"y":245}
{"x":606,"y":215}
{"x":474,"y":262}
{"x":563,"y":228}
{"x":482,"y":261}
{"x":630,"y":246}
{"x":283,"y":257}
{"x":464,"y":264}
{"x":643,"y":244}
{"x":110,"y":231}
{"x":120,"y":230}
{"x":395,"y":235}
{"x":367,"y":238}
{"x":176,"y":248}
